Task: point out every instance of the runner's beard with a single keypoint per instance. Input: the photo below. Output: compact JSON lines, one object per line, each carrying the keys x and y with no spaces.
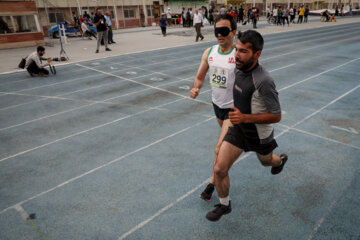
{"x":243,"y":66}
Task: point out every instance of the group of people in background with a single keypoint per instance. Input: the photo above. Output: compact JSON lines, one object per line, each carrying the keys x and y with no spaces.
{"x":279,"y":15}
{"x":103,"y":25}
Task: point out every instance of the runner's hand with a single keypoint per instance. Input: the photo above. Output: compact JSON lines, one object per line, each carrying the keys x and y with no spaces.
{"x":194,"y":92}
{"x":49,"y":60}
{"x":235,"y":116}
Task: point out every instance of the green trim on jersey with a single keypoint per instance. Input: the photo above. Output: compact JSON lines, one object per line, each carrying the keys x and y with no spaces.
{"x":207,"y":58}
{"x":227,"y":53}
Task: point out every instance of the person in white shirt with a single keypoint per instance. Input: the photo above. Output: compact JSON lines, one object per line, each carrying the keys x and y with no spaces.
{"x":34,"y":64}
{"x":275,"y":14}
{"x":86,"y":30}
{"x":198,"y":19}
{"x":168,"y":16}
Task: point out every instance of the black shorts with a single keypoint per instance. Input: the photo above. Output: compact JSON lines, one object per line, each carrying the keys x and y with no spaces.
{"x":236,"y":137}
{"x":221,"y":113}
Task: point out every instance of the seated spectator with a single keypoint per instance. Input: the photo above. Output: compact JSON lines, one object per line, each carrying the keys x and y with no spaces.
{"x":87,"y":33}
{"x":34,"y":63}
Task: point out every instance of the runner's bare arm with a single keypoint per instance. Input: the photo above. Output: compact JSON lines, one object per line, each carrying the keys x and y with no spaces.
{"x":236,"y":117}
{"x":200,"y":76}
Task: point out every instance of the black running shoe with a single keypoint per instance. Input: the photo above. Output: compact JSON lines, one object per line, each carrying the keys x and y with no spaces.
{"x":278,"y":169}
{"x":206,"y":194}
{"x":217,"y":213}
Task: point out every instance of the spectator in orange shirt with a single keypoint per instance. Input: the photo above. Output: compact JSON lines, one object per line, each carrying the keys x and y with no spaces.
{"x":301,"y":14}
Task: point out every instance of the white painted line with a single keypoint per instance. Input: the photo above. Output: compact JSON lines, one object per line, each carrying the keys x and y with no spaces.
{"x":318,"y":136}
{"x":84,"y":89}
{"x":47,"y":116}
{"x":73,"y":135}
{"x":185,"y":87}
{"x":330,"y":209}
{"x":349,"y":130}
{"x":107,"y":164}
{"x":316,"y":75}
{"x":130,"y":73}
{"x":158,"y":213}
{"x":22,"y":212}
{"x":143,"y":84}
{"x":308,"y":48}
{"x":77,"y":108}
{"x":29,"y":78}
{"x":57,"y":83}
{"x":332,"y":102}
{"x":54,"y":97}
{"x":156,"y":79}
{"x":290,"y":65}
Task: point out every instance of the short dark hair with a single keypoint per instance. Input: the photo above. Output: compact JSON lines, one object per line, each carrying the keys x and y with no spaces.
{"x":227,"y":17}
{"x":40,"y":48}
{"x":253,"y":37}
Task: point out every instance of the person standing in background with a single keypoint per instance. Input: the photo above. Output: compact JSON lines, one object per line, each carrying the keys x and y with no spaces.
{"x":108,"y":22}
{"x":163,"y":23}
{"x":168,"y":15}
{"x":198,"y":18}
{"x":101,"y":27}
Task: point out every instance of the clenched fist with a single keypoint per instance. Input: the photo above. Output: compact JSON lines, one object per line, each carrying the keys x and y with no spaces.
{"x":236,"y":117}
{"x":194,"y":92}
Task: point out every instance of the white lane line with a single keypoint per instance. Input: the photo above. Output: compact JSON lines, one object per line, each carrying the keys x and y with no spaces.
{"x":309,"y":48}
{"x":55,"y":97}
{"x":318,"y":136}
{"x":80,"y":90}
{"x":47,"y":116}
{"x":24,"y":215}
{"x":158,"y":213}
{"x":316,"y":75}
{"x":143,"y":84}
{"x":93,"y":128}
{"x":332,"y":102}
{"x":107,"y":164}
{"x":73,"y":135}
{"x":29,"y":78}
{"x":290,"y":65}
{"x":161,"y":73}
{"x":331,"y":207}
{"x":143,"y":223}
{"x":281,"y":45}
{"x":107,"y":101}
{"x":349,"y":130}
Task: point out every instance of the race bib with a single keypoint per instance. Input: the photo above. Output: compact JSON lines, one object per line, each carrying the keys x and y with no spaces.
{"x":219,"y":77}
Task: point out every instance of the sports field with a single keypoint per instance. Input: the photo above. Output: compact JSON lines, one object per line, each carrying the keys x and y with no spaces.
{"x":115,"y":149}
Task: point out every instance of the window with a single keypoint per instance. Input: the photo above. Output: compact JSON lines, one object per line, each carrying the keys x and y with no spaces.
{"x":6,"y":25}
{"x":17,"y":24}
{"x":150,"y":12}
{"x":25,"y":23}
{"x":129,"y":13}
{"x":60,"y":17}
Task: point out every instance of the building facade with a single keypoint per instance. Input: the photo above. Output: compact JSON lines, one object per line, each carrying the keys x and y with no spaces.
{"x":19,"y":24}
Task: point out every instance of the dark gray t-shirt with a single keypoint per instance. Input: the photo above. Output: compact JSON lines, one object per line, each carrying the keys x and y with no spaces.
{"x":255,"y":93}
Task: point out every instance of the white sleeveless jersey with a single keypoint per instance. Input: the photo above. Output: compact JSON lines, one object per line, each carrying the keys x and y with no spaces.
{"x":222,"y":76}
